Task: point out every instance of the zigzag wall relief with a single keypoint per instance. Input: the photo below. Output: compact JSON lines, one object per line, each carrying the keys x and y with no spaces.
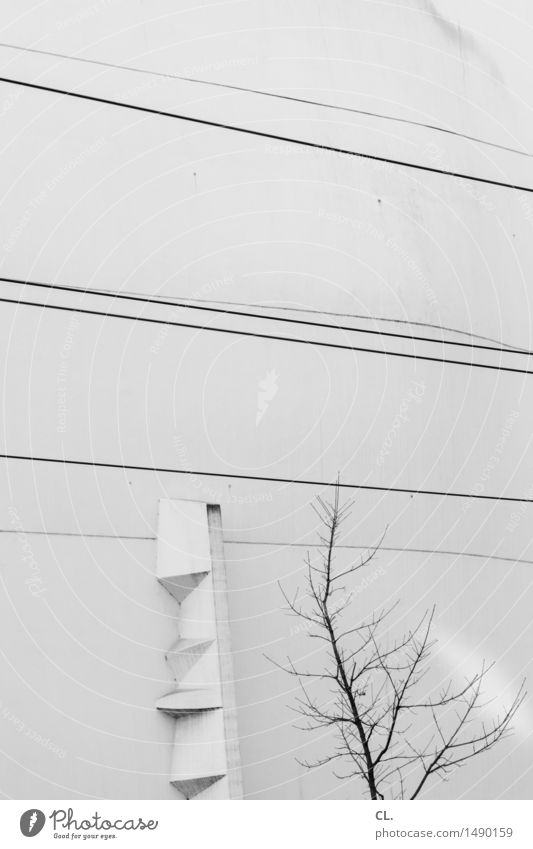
{"x":190,"y":565}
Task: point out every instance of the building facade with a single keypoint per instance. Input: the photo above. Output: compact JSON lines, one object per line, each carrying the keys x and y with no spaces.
{"x":247,"y":416}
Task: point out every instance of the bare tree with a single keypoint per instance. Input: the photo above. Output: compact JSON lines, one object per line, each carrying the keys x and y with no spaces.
{"x":387,"y":729}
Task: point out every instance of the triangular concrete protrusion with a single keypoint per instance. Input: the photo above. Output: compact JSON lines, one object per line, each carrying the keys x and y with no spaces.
{"x":189,"y":700}
{"x":179,"y":586}
{"x":192,"y":786}
{"x":185,"y":653}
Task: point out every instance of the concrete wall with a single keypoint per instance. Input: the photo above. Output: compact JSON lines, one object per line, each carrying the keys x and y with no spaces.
{"x":103,"y":197}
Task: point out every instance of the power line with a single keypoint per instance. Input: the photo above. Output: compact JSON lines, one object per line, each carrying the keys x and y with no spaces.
{"x":147,"y":299}
{"x":269,"y":336}
{"x":506,"y":346}
{"x":444,"y":552}
{"x":177,"y":301}
{"x":233,"y":476}
{"x":272,"y":544}
{"x":263,"y":93}
{"x":24,"y":532}
{"x":265,"y":135}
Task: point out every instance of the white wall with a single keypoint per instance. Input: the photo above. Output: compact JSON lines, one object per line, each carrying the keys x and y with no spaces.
{"x":103,"y":197}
